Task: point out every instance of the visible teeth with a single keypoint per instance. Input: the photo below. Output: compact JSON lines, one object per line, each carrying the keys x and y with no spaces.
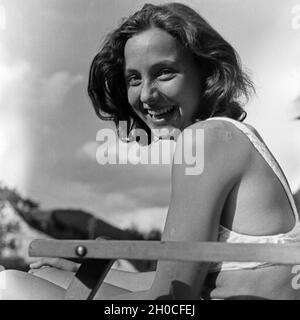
{"x":159,"y":112}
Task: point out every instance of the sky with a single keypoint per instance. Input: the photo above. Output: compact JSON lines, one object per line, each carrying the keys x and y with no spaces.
{"x":48,"y":128}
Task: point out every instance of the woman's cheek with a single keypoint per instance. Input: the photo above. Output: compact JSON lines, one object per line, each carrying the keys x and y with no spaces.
{"x":171,"y":89}
{"x":133,"y":97}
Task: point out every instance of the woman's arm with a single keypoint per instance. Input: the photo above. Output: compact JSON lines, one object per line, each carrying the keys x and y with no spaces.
{"x":196,"y":205}
{"x":61,"y":272}
{"x":132,"y":281}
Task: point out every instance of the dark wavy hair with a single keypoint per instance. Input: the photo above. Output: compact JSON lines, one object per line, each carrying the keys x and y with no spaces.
{"x":226,"y":87}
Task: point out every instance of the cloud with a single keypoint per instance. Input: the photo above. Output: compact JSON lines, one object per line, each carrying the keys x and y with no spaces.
{"x":55,"y":88}
{"x":144,"y":219}
{"x":136,"y":184}
{"x":14,"y":79}
{"x":81,"y":195}
{"x":26,"y":99}
{"x":12,"y":74}
{"x":114,"y":150}
{"x":14,"y":154}
{"x":118,"y":208}
{"x":14,"y":146}
{"x":88,"y":150}
{"x":22,"y":88}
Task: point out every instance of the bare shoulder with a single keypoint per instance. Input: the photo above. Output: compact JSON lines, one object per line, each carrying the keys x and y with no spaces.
{"x":219,"y":137}
{"x":215,"y":159}
{"x":217,"y":148}
{"x":220,"y":130}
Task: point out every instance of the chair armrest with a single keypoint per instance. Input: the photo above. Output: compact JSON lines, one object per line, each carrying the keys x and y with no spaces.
{"x":167,"y":250}
{"x":99,"y":256}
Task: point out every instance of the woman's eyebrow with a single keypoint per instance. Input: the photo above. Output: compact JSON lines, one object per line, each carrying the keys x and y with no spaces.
{"x":162,"y":63}
{"x":129,"y":71}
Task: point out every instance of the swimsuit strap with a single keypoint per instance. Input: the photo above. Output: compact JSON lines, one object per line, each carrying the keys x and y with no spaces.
{"x":269,"y":158}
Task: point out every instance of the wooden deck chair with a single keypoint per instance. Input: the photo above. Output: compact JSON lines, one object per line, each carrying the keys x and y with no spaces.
{"x":98,"y":256}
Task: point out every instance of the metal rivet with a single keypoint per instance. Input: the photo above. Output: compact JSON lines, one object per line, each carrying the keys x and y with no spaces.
{"x":81,"y":251}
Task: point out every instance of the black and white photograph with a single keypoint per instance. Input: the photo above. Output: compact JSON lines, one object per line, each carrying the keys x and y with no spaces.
{"x":150,"y":151}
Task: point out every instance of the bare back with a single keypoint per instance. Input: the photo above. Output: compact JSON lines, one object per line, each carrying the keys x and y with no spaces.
{"x":258,"y":205}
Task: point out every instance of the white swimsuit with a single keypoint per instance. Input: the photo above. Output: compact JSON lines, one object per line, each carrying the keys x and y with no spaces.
{"x":226,"y":235}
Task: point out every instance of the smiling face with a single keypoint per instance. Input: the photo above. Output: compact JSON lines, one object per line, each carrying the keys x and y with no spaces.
{"x":163,"y":80}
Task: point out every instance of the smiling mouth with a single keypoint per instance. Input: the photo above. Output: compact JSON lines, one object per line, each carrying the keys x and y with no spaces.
{"x":161,"y":113}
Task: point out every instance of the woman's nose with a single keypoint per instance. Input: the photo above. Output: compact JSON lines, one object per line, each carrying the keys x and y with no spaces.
{"x":148,"y":93}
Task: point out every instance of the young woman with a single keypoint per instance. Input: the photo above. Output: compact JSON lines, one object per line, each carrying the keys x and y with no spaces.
{"x":166,"y":68}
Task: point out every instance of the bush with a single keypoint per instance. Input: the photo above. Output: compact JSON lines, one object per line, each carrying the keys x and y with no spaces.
{"x":16,"y":263}
{"x":145,"y":265}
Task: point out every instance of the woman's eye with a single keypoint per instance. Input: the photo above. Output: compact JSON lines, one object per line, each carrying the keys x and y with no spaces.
{"x":133,"y":80}
{"x":166,"y":74}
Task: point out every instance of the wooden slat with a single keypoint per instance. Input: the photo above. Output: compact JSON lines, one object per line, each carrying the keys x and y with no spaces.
{"x":88,"y":279}
{"x":170,"y":250}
